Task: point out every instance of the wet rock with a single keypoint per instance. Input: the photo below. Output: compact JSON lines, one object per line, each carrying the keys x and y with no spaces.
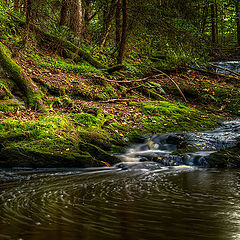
{"x":229,"y":157}
{"x":174,"y":139}
{"x":143,"y":159}
{"x":140,"y":139}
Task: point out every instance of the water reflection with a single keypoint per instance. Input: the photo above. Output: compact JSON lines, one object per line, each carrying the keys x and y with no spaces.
{"x":177,"y":203}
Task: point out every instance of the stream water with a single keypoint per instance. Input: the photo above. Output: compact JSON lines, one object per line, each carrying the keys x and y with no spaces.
{"x":136,"y":199}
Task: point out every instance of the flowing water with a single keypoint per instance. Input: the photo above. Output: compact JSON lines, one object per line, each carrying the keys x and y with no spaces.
{"x":133,"y":200}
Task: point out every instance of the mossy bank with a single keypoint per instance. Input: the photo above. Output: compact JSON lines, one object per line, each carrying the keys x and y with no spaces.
{"x":89,"y":139}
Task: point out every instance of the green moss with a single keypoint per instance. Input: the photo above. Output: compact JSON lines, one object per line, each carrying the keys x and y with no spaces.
{"x":86,"y":119}
{"x":14,"y":70}
{"x":10,"y":105}
{"x":5,"y":93}
{"x":46,"y":132}
{"x":162,"y":116}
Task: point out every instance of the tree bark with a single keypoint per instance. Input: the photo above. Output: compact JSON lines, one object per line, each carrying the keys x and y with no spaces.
{"x":28,"y":19}
{"x":204,"y":17}
{"x":238,"y":21}
{"x":118,"y":22}
{"x":108,"y":22}
{"x":213,"y":22}
{"x":64,"y":12}
{"x":123,"y":41}
{"x":76,"y":17}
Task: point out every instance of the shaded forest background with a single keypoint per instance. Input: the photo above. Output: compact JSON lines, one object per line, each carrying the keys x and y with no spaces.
{"x":176,"y":32}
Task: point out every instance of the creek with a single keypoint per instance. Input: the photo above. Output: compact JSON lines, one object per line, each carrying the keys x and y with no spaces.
{"x":170,"y":198}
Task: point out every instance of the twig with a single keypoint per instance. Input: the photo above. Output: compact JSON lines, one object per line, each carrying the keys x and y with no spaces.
{"x":120,"y":100}
{"x":134,"y":88}
{"x":178,"y":88}
{"x":131,"y":81}
{"x":225,"y":69}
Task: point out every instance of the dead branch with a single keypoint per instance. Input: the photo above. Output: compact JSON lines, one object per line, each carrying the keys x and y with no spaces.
{"x":178,"y":88}
{"x":130,"y":81}
{"x":120,"y":100}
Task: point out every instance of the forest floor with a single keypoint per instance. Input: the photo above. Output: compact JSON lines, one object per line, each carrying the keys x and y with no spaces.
{"x":86,"y":116}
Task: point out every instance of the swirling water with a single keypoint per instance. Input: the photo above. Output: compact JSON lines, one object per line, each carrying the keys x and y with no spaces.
{"x":137,"y":200}
{"x":170,"y":203}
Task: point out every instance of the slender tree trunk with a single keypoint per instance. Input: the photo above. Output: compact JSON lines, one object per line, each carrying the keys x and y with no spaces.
{"x":238,"y":21}
{"x":108,"y":23}
{"x":64,"y":12}
{"x":17,"y":5}
{"x":123,"y":41}
{"x":204,"y":17}
{"x":28,"y":7}
{"x":76,"y":17}
{"x":118,"y":22}
{"x":87,"y":17}
{"x":213,"y":21}
{"x":216,"y":21}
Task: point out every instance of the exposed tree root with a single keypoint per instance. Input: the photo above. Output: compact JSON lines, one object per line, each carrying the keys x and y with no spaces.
{"x":25,"y":84}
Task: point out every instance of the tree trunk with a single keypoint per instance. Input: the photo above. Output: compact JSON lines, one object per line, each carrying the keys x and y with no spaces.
{"x":216,"y":21}
{"x":204,"y":17}
{"x":118,"y":22}
{"x":123,"y":41}
{"x":86,"y":18}
{"x":64,"y":12}
{"x":213,"y":21}
{"x":28,"y":19}
{"x":76,"y":17}
{"x":238,"y":21}
{"x":108,"y":22}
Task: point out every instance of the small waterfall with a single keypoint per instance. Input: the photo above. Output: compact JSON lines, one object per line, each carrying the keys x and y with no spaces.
{"x":189,"y":149}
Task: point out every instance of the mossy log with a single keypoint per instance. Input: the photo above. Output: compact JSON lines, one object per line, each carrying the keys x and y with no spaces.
{"x":61,"y":43}
{"x":24,"y":83}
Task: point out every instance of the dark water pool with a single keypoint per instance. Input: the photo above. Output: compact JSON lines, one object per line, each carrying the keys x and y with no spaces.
{"x":169,"y":203}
